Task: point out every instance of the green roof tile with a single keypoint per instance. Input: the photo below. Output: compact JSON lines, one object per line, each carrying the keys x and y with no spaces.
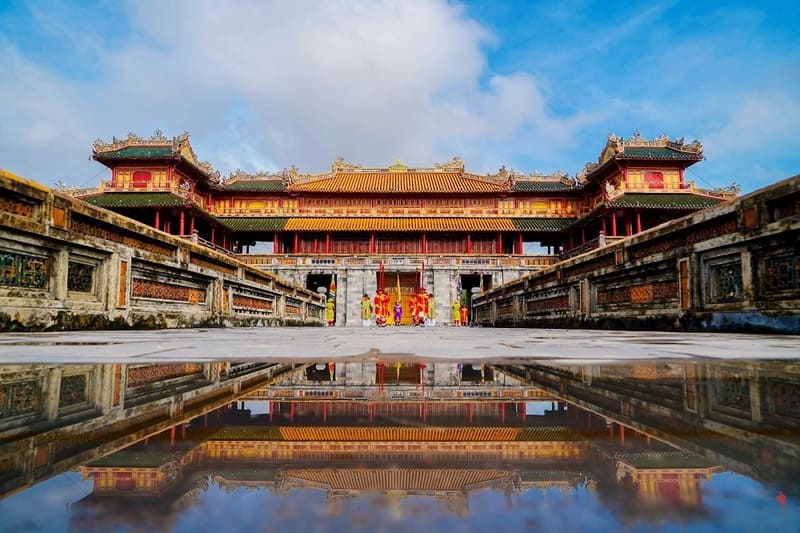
{"x":138,"y":152}
{"x":645,"y":152}
{"x":542,"y":224}
{"x":138,"y":459}
{"x":112,"y":200}
{"x":664,"y":460}
{"x":247,"y":433}
{"x":254,"y":185}
{"x":657,"y":200}
{"x":543,"y":434}
{"x":254,"y":223}
{"x":539,"y":186}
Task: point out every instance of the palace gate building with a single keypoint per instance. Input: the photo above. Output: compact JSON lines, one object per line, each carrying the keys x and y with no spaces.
{"x":355,"y":229}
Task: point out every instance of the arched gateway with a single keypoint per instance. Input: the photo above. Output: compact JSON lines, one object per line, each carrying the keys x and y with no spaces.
{"x":353,"y":230}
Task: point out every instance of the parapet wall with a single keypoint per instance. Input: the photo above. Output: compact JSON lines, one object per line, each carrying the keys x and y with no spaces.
{"x":733,"y":267}
{"x":67,"y":265}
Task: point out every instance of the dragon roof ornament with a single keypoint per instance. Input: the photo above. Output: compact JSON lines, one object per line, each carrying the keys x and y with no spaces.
{"x":662,"y":141}
{"x":456,"y":165}
{"x":131,"y":139}
{"x":340,"y":165}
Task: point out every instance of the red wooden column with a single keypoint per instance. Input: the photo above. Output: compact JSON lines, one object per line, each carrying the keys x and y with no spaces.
{"x":424,"y":243}
{"x":213,"y":235}
{"x":622,"y":435}
{"x":157,"y":223}
{"x":499,"y":243}
{"x":372,"y":243}
{"x":182,"y":226}
{"x":328,"y":242}
{"x":519,"y":243}
{"x":628,"y":224}
{"x":469,"y":243}
{"x":172,"y":436}
{"x":191,"y":224}
{"x":613,"y":224}
{"x":638,"y":221}
{"x":275,"y":242}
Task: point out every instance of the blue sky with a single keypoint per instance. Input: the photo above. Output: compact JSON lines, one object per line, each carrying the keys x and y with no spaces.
{"x":529,"y":85}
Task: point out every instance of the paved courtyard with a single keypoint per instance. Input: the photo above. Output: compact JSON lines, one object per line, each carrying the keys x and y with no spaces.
{"x":385,"y":343}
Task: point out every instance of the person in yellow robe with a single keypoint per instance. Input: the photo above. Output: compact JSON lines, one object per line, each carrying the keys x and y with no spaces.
{"x":456,"y":312}
{"x":366,"y":311}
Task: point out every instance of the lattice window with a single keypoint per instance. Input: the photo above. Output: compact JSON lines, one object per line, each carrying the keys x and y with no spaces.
{"x":20,"y":270}
{"x":725,"y":282}
{"x":733,"y":390}
{"x":20,"y":398}
{"x":80,"y":277}
{"x":781,"y":273}
{"x":786,"y":399}
{"x":73,"y":390}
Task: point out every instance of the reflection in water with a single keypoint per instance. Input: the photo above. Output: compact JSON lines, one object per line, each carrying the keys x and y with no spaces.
{"x":398,"y":445}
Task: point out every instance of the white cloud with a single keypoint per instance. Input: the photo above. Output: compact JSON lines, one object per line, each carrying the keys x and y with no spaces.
{"x":285,"y":83}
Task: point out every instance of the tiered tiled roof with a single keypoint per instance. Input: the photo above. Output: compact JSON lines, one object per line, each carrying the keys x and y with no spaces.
{"x":157,"y":147}
{"x":637,"y":147}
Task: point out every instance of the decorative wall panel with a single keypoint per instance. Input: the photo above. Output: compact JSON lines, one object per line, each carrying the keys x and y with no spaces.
{"x":145,"y":288}
{"x":147,"y":374}
{"x":73,"y":390}
{"x":21,"y":270}
{"x":19,"y":398}
{"x":80,"y":277}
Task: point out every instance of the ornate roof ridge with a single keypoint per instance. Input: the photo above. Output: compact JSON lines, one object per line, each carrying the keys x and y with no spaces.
{"x":157,"y":139}
{"x":341,"y":166}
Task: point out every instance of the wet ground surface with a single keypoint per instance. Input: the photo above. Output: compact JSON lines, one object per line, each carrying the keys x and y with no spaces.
{"x":431,"y":343}
{"x":373,"y":430}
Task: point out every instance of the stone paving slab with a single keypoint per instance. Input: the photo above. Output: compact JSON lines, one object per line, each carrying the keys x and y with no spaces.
{"x":445,"y":343}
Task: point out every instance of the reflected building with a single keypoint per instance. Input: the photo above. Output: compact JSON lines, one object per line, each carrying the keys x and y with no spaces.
{"x":644,"y":439}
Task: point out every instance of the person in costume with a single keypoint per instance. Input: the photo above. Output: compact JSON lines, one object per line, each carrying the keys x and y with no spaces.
{"x":456,"y":313}
{"x":330,"y":314}
{"x":379,"y":318}
{"x":366,"y":311}
{"x":398,"y":313}
{"x":464,"y":316}
{"x":412,"y":309}
{"x":422,"y":300}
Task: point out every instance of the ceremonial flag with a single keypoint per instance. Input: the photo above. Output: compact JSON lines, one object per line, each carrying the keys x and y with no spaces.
{"x":398,"y":287}
{"x":458,"y":284}
{"x":332,"y":289}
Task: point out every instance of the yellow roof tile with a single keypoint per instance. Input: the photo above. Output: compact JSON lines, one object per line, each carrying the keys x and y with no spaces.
{"x":399,"y":224}
{"x":395,"y":182}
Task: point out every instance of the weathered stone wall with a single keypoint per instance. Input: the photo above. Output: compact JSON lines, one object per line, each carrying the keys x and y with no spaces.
{"x":65,"y":264}
{"x":734,"y":267}
{"x":53,"y":417}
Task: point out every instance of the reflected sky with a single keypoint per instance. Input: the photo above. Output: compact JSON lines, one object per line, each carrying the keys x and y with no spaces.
{"x":548,"y":464}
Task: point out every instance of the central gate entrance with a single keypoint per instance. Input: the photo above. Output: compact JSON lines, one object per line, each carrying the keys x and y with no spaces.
{"x":407,"y":282}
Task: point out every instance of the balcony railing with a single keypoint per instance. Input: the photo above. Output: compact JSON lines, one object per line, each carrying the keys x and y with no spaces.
{"x":398,"y":260}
